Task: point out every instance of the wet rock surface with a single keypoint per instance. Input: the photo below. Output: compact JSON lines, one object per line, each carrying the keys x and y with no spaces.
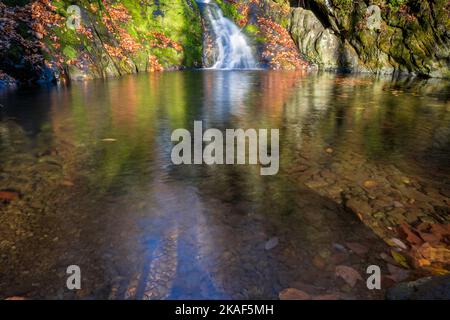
{"x":321,"y":45}
{"x":430,"y":288}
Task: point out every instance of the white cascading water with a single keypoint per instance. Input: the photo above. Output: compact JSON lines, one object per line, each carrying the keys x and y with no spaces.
{"x":232,"y":47}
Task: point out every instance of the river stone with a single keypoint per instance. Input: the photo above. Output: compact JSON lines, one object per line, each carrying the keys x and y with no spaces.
{"x":429,"y":288}
{"x":272,"y":243}
{"x":358,"y":206}
{"x":357,"y":248}
{"x":293,"y":294}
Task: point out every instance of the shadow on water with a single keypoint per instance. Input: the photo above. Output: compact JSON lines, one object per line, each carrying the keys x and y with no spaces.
{"x":98,"y":188}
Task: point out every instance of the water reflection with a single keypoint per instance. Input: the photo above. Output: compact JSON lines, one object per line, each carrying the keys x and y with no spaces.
{"x":92,"y":166}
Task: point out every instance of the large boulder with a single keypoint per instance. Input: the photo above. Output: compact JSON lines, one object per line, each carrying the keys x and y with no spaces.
{"x":321,"y":45}
{"x":382,"y":36}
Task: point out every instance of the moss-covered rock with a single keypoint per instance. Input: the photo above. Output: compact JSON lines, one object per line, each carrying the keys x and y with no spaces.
{"x":411,"y":36}
{"x":113,"y":37}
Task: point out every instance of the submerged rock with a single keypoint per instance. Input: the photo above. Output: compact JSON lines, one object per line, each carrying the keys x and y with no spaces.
{"x":429,"y":288}
{"x":8,"y":196}
{"x":272,"y":243}
{"x":350,"y":275}
{"x":294,"y":294}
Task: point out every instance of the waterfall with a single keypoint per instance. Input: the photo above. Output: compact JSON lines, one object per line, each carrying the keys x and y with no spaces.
{"x":233,"y":51}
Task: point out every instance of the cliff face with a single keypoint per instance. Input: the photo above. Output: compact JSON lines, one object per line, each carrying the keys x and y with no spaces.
{"x":381,"y":36}
{"x":44,"y":40}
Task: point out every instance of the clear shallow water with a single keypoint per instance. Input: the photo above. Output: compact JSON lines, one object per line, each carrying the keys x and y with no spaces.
{"x":91,"y":165}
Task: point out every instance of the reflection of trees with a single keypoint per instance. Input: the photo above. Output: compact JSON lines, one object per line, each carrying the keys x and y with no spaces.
{"x":86,"y":115}
{"x":378,"y":118}
{"x":241,"y":208}
{"x":225,"y":214}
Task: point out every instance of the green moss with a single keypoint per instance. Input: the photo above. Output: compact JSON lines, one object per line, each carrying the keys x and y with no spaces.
{"x":285,"y":22}
{"x":251,"y":29}
{"x":343,"y":4}
{"x":70,"y":52}
{"x":230,"y":10}
{"x":179,"y":20}
{"x":395,"y":5}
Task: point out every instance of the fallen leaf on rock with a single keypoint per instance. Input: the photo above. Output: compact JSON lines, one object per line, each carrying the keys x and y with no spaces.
{"x":350,"y":275}
{"x":398,"y":204}
{"x":399,"y":243}
{"x":440,"y":230}
{"x":397,"y":274}
{"x":272,"y":243}
{"x":67,"y":183}
{"x":8,"y":196}
{"x":15,"y":298}
{"x":406,"y":180}
{"x":311,"y":289}
{"x":447,"y":227}
{"x":423,"y":262}
{"x":433,"y":253}
{"x":400,"y":259}
{"x":387,"y":258}
{"x":357,"y":248}
{"x":370,"y":184}
{"x":423,"y":227}
{"x":293,"y":294}
{"x":409,"y":235}
{"x":439,"y":271}
{"x":428,"y":237}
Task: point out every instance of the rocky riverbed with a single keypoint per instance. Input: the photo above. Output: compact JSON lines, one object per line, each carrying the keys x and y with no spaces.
{"x":363,"y":181}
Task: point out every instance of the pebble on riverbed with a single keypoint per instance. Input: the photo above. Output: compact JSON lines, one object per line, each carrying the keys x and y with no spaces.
{"x":272,"y":243}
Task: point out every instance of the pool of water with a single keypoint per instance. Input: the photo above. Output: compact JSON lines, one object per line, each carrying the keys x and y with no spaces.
{"x":93,"y":183}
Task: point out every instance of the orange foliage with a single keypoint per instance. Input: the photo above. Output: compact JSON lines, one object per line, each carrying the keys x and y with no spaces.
{"x":44,"y":16}
{"x":280,"y":49}
{"x":153,"y":64}
{"x":161,"y":41}
{"x":118,"y":14}
{"x":38,"y":16}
